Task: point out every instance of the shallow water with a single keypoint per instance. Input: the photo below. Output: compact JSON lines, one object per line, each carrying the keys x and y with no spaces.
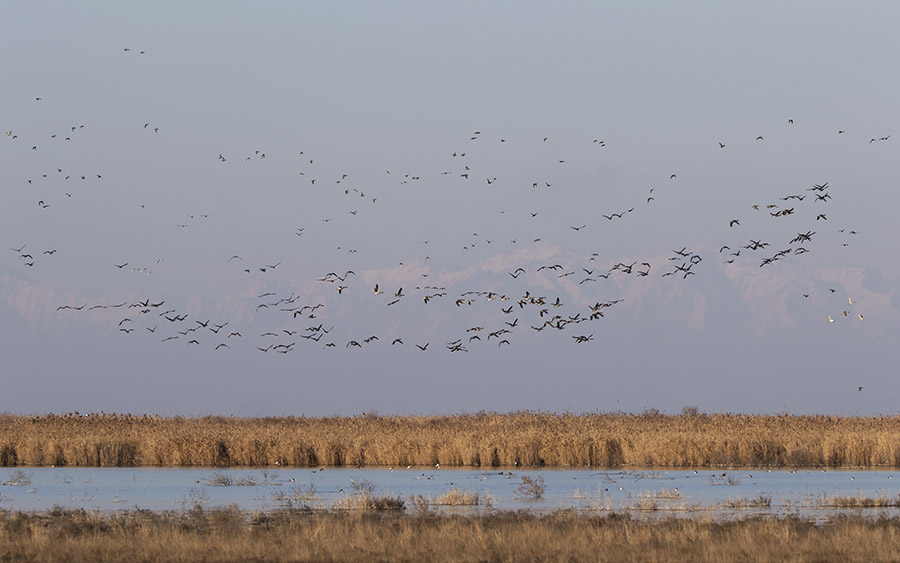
{"x":683,"y":492}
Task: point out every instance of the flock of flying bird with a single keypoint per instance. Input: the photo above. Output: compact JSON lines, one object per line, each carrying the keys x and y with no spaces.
{"x":306,"y":319}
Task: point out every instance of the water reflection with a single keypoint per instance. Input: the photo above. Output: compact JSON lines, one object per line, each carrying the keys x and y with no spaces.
{"x":688,"y":492}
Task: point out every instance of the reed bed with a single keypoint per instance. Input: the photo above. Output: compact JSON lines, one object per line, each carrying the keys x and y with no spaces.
{"x":461,"y":497}
{"x":858,"y":501}
{"x":663,"y":493}
{"x":368,"y":501}
{"x":296,"y":535}
{"x":762,"y":501}
{"x":518,"y":439}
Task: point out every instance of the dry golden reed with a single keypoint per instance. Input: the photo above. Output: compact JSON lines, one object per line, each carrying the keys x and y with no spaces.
{"x":522,"y":439}
{"x":459,"y":497}
{"x":231,"y":535}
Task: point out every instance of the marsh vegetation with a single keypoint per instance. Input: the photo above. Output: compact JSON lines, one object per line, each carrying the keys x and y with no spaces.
{"x":229,"y":534}
{"x":518,"y":439}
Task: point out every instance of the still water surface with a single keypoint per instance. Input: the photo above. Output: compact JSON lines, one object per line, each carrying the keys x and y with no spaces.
{"x":682,"y":492}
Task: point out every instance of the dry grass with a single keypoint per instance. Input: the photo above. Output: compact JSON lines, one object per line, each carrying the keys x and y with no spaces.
{"x":663,"y":494}
{"x":522,"y":439}
{"x":724,"y":480}
{"x":367,"y":501}
{"x":858,"y":502}
{"x":298,"y":496}
{"x":762,"y":501}
{"x":225,"y":480}
{"x":531,"y":488}
{"x":460,"y":497}
{"x":230,"y":535}
{"x":17,"y":478}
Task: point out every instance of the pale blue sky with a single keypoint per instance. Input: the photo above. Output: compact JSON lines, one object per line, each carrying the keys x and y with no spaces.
{"x":365,"y":88}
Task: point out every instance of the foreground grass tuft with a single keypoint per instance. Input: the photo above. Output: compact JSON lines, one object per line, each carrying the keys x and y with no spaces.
{"x":308,"y":535}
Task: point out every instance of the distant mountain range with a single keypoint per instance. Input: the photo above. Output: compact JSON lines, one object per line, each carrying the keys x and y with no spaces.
{"x":778,"y":299}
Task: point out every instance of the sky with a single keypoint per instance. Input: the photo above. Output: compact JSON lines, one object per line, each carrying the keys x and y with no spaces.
{"x":229,"y":157}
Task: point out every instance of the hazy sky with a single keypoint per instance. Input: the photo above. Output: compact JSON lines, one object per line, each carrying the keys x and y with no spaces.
{"x":438,"y":149}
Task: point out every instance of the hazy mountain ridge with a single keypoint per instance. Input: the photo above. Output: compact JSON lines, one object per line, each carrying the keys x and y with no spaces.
{"x":742,"y":296}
